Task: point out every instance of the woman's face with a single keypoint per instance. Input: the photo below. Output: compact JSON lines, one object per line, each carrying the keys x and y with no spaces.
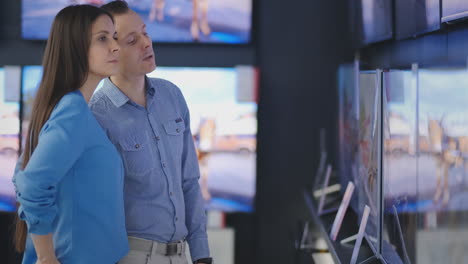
{"x":103,"y":51}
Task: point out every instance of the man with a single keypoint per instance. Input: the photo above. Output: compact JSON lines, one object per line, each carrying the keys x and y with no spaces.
{"x":148,"y":121}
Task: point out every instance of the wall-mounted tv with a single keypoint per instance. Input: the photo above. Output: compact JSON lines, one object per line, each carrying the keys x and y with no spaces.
{"x":415,"y":17}
{"x":376,"y":17}
{"x":174,"y":21}
{"x":425,"y":165}
{"x":224,"y":130}
{"x":454,"y":10}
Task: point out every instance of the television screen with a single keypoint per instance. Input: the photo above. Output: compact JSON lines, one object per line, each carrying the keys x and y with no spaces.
{"x":425,"y":164}
{"x":175,"y":21}
{"x":348,"y":125}
{"x":368,"y":182}
{"x":400,"y":183}
{"x":376,"y":20}
{"x":9,"y":146}
{"x":454,"y":10}
{"x":415,"y":17}
{"x":225,"y":134}
{"x":224,"y":131}
{"x":443,"y":140}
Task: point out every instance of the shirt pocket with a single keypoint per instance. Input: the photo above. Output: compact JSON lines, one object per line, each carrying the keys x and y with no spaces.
{"x":137,"y":155}
{"x":174,"y":129}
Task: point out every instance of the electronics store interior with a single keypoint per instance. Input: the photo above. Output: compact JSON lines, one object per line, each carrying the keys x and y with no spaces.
{"x":324,"y":131}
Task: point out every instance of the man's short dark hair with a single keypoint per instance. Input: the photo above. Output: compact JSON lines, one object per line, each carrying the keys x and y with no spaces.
{"x":117,"y":7}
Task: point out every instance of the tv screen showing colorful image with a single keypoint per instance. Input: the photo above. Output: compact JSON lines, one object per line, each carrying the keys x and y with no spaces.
{"x":399,"y":162}
{"x":454,"y":10}
{"x":9,"y":146}
{"x":415,"y":17}
{"x":224,"y":131}
{"x":173,"y":21}
{"x":426,"y":164}
{"x":443,"y":140}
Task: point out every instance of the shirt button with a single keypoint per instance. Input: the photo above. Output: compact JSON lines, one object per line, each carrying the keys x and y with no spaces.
{"x":176,"y":218}
{"x":137,"y":146}
{"x":157,"y":138}
{"x":177,"y":130}
{"x":164,"y":165}
{"x":170,"y":193}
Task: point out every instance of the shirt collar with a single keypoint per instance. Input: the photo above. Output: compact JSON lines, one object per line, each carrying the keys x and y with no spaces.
{"x":117,"y":97}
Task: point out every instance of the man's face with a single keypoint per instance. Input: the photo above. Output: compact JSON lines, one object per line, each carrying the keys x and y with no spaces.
{"x":136,"y":49}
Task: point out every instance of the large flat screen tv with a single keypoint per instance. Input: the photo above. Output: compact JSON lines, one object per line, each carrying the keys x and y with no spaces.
{"x":224,"y":131}
{"x":174,"y":21}
{"x":425,"y":165}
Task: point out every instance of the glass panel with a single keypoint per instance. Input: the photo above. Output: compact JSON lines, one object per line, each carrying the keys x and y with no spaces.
{"x":368,"y":182}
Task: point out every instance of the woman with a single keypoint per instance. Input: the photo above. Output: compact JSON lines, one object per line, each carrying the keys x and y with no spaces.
{"x":70,"y":183}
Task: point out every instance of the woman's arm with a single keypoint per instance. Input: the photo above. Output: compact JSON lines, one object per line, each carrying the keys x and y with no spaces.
{"x":44,"y":249}
{"x":61,"y":143}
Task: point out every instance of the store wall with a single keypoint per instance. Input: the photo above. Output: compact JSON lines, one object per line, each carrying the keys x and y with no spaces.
{"x":301,"y":44}
{"x":446,"y":47}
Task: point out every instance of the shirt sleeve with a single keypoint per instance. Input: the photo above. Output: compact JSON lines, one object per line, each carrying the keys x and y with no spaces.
{"x":61,"y":143}
{"x":194,"y":204}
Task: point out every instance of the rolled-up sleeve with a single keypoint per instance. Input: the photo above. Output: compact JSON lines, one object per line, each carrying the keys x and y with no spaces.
{"x":194,"y":204}
{"x":61,"y":143}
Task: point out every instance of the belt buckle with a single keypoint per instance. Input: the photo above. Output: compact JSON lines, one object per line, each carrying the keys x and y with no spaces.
{"x":171,"y":249}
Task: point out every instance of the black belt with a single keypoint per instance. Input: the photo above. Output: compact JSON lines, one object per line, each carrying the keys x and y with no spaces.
{"x":166,"y":249}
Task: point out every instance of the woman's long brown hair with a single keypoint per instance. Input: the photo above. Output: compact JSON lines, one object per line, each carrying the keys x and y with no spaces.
{"x":65,"y":69}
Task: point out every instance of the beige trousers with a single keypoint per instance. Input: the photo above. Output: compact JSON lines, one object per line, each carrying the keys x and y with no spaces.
{"x":152,"y":254}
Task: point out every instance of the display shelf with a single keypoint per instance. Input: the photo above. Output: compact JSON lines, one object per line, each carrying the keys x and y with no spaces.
{"x":341,"y":253}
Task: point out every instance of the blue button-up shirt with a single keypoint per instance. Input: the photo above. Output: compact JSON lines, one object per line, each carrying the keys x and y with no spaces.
{"x":72,"y":187}
{"x":162,"y":196}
